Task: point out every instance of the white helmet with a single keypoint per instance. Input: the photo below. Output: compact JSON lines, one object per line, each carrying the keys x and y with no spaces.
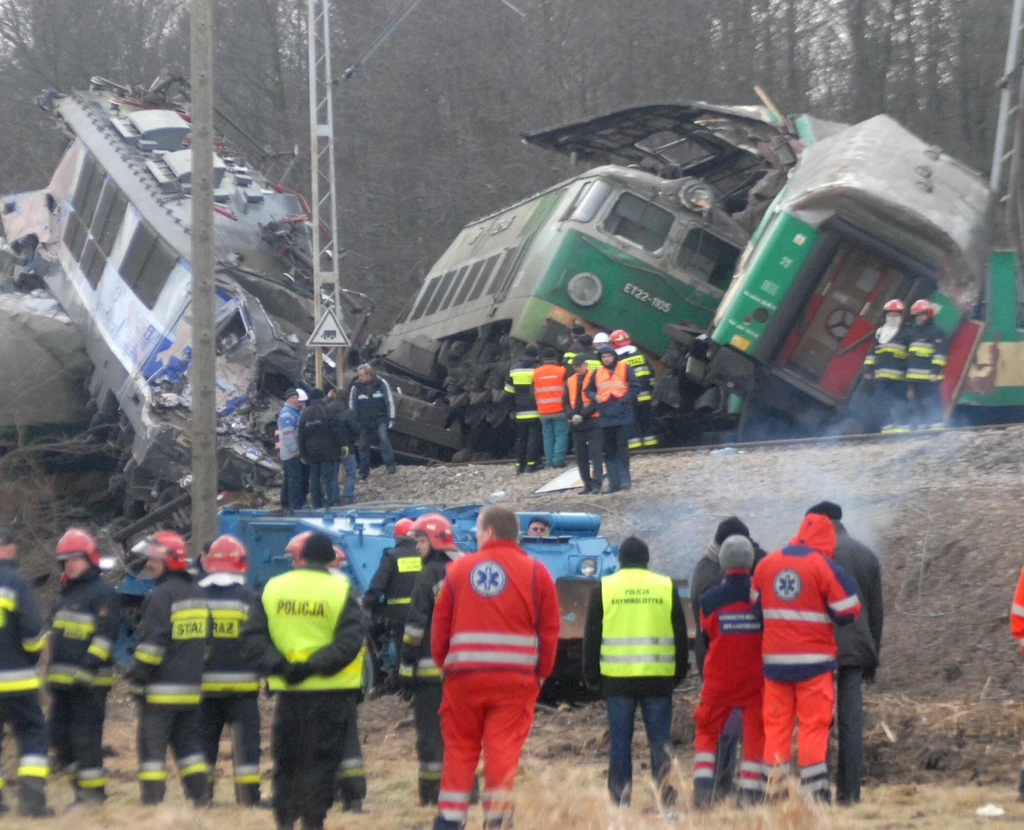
{"x":601,"y":339}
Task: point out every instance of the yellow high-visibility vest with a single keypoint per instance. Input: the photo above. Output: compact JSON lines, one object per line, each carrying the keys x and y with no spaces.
{"x":637,"y":639}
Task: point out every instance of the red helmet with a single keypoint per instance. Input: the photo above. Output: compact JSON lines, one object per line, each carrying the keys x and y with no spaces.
{"x":619,"y":338}
{"x":402,"y":527}
{"x":923,"y":307}
{"x":226,"y":554}
{"x":894,"y":305}
{"x":167,"y":546}
{"x":296,"y":545}
{"x":437,"y":529}
{"x":77,"y":542}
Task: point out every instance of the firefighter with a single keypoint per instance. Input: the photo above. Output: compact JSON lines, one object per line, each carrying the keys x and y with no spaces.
{"x":230,"y":688}
{"x":614,"y":386}
{"x":643,"y":422}
{"x":85,"y":620}
{"x":308,"y":634}
{"x":435,"y":543}
{"x":800,"y":592}
{"x":926,"y":362}
{"x":886,"y":363}
{"x":576,"y":332}
{"x":21,"y":642}
{"x":392,"y":585}
{"x":167,"y":671}
{"x":733,"y":677}
{"x":635,"y":650}
{"x":586,"y":351}
{"x":519,"y":385}
{"x":495,"y":635}
{"x":582,"y":413}
{"x":549,"y":397}
{"x":1017,"y":630}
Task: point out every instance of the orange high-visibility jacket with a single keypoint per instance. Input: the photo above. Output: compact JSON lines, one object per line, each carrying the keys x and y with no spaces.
{"x":549,"y":387}
{"x":1017,"y":613}
{"x":575,"y":388}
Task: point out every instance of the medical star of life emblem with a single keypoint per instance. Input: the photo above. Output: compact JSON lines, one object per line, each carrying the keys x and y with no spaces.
{"x":787,"y":585}
{"x":488,"y":579}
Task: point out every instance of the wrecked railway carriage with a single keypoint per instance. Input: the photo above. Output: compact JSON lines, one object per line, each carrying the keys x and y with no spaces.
{"x":109,"y":238}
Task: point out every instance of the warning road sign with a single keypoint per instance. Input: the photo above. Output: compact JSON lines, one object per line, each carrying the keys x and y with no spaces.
{"x":329,"y":333}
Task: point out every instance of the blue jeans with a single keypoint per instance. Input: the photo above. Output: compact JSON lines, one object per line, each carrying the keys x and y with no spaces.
{"x":556,"y":439}
{"x":293,"y":497}
{"x":323,"y":483}
{"x":657,"y":715}
{"x":366,"y":433}
{"x":351,"y":471}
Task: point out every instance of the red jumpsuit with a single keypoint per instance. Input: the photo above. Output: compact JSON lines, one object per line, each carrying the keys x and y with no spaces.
{"x":732,"y":679}
{"x":495,"y":635}
{"x":1017,"y":630}
{"x":802,"y":592}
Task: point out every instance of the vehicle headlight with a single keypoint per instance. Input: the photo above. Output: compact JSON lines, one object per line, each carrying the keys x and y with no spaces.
{"x":585,"y":289}
{"x":588,"y":567}
{"x":696,"y":195}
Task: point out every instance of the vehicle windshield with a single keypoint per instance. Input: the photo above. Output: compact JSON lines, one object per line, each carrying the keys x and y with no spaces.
{"x":708,"y":256}
{"x":639,"y":221}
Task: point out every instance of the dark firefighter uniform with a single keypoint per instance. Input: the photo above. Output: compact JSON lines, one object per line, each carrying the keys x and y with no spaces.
{"x":393,"y":583}
{"x":888,"y":364}
{"x":21,"y":642}
{"x":589,"y":355}
{"x":642,"y":434}
{"x":230,"y":688}
{"x":308,"y":629}
{"x":519,"y":384}
{"x":167,"y":675}
{"x":926,"y":363}
{"x":419,"y":669}
{"x":85,"y":622}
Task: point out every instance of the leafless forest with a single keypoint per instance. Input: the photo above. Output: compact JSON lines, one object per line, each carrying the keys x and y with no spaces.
{"x":428,"y":126}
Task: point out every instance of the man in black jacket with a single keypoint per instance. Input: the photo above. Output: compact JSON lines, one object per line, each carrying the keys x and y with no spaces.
{"x":392,"y":586}
{"x":859,"y":645}
{"x":709,"y":574}
{"x":519,"y":387}
{"x":635,"y":650}
{"x":320,"y":440}
{"x":85,"y":620}
{"x":338,"y":407}
{"x":374,"y":405}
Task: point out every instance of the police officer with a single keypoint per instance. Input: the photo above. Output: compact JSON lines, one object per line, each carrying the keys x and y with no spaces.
{"x":392,"y":586}
{"x":230,"y":688}
{"x":21,"y":642}
{"x":308,"y":634}
{"x":643,"y":422}
{"x":167,"y":671}
{"x":519,"y":385}
{"x":435,"y":542}
{"x":85,"y":620}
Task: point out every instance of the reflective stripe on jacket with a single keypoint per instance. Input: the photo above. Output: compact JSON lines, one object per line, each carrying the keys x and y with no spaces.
{"x":1017,"y":612}
{"x":635,"y":359}
{"x":579,"y":400}
{"x":229,"y":604}
{"x":731,"y":628}
{"x":21,"y":632}
{"x":926,"y":354}
{"x":86,"y":618}
{"x":637,"y":638}
{"x":549,"y":388}
{"x":888,"y":361}
{"x":519,"y":384}
{"x":611,"y":384}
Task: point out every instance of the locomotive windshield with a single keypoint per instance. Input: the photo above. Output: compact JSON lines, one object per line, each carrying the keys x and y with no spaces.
{"x":708,"y":256}
{"x":639,"y":221}
{"x":588,"y":201}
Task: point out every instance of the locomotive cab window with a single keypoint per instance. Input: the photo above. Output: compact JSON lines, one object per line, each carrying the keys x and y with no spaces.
{"x":587,"y":202}
{"x":639,"y":221}
{"x":147,"y":264}
{"x":708,"y":256}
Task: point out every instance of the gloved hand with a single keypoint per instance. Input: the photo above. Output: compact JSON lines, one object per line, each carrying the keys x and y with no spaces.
{"x":295,"y":673}
{"x":577,"y":419}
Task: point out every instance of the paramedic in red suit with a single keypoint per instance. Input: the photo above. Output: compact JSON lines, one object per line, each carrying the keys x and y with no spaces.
{"x":495,"y":634}
{"x":731,"y":629}
{"x":801,"y":592}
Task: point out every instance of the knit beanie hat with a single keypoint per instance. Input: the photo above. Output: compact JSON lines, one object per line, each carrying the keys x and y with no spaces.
{"x":829,"y":509}
{"x":737,"y":552}
{"x":633,"y":552}
{"x":731,"y":527}
{"x":318,"y":548}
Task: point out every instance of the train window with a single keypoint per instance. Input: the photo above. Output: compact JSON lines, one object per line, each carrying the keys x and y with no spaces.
{"x":92,"y":195}
{"x":85,"y":263}
{"x":588,"y":201}
{"x":97,"y":263}
{"x":155,"y":271}
{"x":502,"y":273}
{"x":459,"y":279}
{"x":78,"y":234}
{"x":467,"y":283}
{"x":231,"y":333}
{"x":106,"y":232}
{"x":481,"y":281}
{"x":442,"y":289}
{"x":639,"y":221}
{"x":141,"y":243}
{"x":83,"y":183}
{"x":709,"y":256}
{"x":428,"y":292}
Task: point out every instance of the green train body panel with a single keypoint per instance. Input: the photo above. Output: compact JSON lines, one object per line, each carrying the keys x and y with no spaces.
{"x":763,"y":280}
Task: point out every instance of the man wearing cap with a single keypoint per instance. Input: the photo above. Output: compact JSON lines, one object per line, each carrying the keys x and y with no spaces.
{"x":519,"y":386}
{"x":307,"y":633}
{"x":614,"y":387}
{"x":293,"y":494}
{"x":635,"y":650}
{"x":21,"y":642}
{"x":371,"y":400}
{"x":859,"y":647}
{"x":538,"y":526}
{"x":549,"y":396}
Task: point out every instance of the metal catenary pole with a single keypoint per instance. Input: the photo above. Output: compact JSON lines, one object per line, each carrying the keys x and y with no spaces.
{"x":204,"y":357}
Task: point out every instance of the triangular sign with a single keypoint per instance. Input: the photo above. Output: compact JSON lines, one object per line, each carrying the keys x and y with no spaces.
{"x":328,"y":332}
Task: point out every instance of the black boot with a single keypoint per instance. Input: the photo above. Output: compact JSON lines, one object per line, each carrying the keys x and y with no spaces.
{"x":32,"y":797}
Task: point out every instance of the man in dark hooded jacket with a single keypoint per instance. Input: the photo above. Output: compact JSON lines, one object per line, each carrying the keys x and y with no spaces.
{"x":859,"y":647}
{"x":614,"y":386}
{"x":320,"y":440}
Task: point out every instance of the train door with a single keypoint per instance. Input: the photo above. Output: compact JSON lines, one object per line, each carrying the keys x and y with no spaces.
{"x":828,"y":347}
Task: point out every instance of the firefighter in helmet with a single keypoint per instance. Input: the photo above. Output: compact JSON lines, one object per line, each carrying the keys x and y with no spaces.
{"x":230,"y":688}
{"x":390,"y":591}
{"x":926,"y":362}
{"x":642,"y":434}
{"x":167,"y":670}
{"x":886,"y":363}
{"x":84,"y":624}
